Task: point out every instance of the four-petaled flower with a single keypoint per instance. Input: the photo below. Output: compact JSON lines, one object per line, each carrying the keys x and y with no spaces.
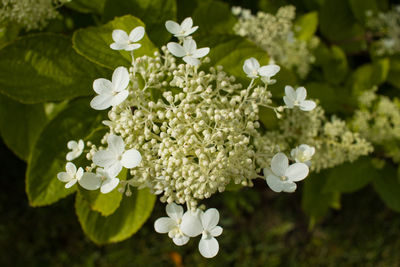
{"x":71,"y":176}
{"x":115,"y":157}
{"x":283,"y":176}
{"x":171,"y":224}
{"x":188,"y":51}
{"x":103,"y":179}
{"x":77,"y":149}
{"x":124,"y":42}
{"x":297,"y":98}
{"x":183,"y":30}
{"x":111,"y":93}
{"x":253,"y":70}
{"x":208,"y":245}
{"x":303,"y":153}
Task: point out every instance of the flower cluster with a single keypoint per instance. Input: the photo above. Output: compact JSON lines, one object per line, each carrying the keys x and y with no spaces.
{"x":30,"y":14}
{"x":186,"y":133}
{"x":276,"y":35}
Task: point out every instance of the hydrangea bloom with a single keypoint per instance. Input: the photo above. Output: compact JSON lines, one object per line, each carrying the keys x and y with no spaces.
{"x":208,"y":245}
{"x":103,"y":179}
{"x":252,"y":68}
{"x":123,"y":41}
{"x":71,"y":176}
{"x":183,"y":30}
{"x":77,"y":149}
{"x":188,"y":51}
{"x":294,"y":98}
{"x":303,"y":153}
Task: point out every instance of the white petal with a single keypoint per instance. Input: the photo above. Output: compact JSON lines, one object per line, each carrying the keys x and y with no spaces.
{"x":71,"y":168}
{"x":131,"y":47}
{"x":297,"y":172}
{"x":191,"y":60}
{"x":115,"y":168}
{"x":208,"y":247}
{"x":116,"y":144}
{"x":172,"y":27}
{"x":187,"y":23}
{"x":136,"y":34}
{"x":104,"y":158}
{"x":90,"y":181}
{"x":176,"y":49}
{"x":101,"y":102}
{"x":191,"y":224}
{"x":307,"y":105}
{"x":71,"y":156}
{"x":279,"y":164}
{"x":269,"y":70}
{"x":201,"y":52}
{"x":210,"y":219}
{"x":120,"y":79}
{"x":72,"y":144}
{"x":174,"y":211}
{"x":119,"y":98}
{"x":81,"y":144}
{"x":190,"y":46}
{"x":180,"y":240}
{"x":274,"y":183}
{"x":70,"y":183}
{"x":102,"y":86}
{"x":119,"y":36}
{"x":290,"y":93}
{"x":164,"y":225}
{"x":118,"y":46}
{"x":131,"y":158}
{"x":192,"y":30}
{"x":109,"y":185}
{"x":64,"y":177}
{"x":216,"y":231}
{"x":289,"y":187}
{"x":301,"y":94}
{"x":79,"y":173}
{"x":288,"y":101}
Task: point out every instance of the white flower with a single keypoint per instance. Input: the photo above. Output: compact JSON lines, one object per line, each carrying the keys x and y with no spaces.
{"x":283,"y":176}
{"x":297,"y":98}
{"x":103,"y":179}
{"x":77,"y":149}
{"x":303,"y":153}
{"x":171,"y":224}
{"x":208,"y":245}
{"x":124,"y":42}
{"x":185,"y":29}
{"x":115,"y":157}
{"x":71,"y":176}
{"x":252,"y":68}
{"x":188,"y":51}
{"x":111,"y":93}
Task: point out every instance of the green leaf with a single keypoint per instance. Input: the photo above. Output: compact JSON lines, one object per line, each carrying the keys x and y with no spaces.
{"x":94,"y":43}
{"x":394,"y":73}
{"x":388,"y":188}
{"x":351,"y":176}
{"x":214,"y":17}
{"x":123,"y":223}
{"x":20,"y":125}
{"x":47,"y":159}
{"x":154,"y":14}
{"x":333,"y":61}
{"x":306,"y":26}
{"x":44,"y":67}
{"x":87,"y":6}
{"x":360,"y":8}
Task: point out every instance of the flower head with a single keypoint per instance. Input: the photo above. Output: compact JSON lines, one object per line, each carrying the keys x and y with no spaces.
{"x":71,"y":176}
{"x":283,"y":176}
{"x":183,"y":30}
{"x":208,"y":245}
{"x":115,"y":157}
{"x":303,"y":153}
{"x":294,"y":98}
{"x":77,"y":149}
{"x":124,"y":42}
{"x":111,"y":93}
{"x":188,"y":51}
{"x":253,"y":70}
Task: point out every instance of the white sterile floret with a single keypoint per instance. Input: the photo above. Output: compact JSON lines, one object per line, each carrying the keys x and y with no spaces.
{"x":115,"y":157}
{"x":303,"y":153}
{"x":171,"y":224}
{"x":253,"y":70}
{"x":208,"y":245}
{"x":123,"y":41}
{"x":283,"y":176}
{"x":111,"y":93}
{"x":183,"y":30}
{"x":71,"y":176}
{"x":103,"y":179}
{"x":297,"y":98}
{"x":77,"y":149}
{"x":188,"y":51}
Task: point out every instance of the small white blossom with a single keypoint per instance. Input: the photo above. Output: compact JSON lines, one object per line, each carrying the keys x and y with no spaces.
{"x":71,"y":176}
{"x":171,"y":224}
{"x":115,"y":157}
{"x":208,"y":245}
{"x":283,"y":176}
{"x":183,"y":30}
{"x":103,"y":179}
{"x":124,"y":42}
{"x":188,"y":51}
{"x":253,"y":70}
{"x":297,"y":98}
{"x":111,"y":93}
{"x":303,"y":153}
{"x":77,"y":149}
